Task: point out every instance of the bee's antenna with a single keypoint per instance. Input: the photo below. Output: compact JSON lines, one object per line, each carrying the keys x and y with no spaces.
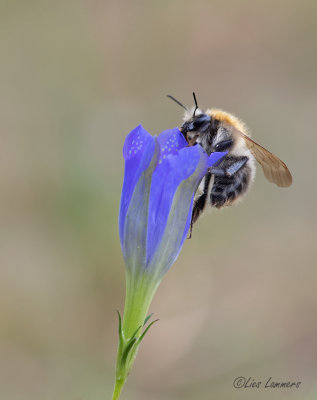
{"x":178,"y":102}
{"x":196,"y":105}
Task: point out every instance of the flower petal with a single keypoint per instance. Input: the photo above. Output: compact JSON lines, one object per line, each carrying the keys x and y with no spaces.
{"x":136,"y":221}
{"x":138,"y":151}
{"x":216,"y":157}
{"x":174,"y":182}
{"x":170,"y":142}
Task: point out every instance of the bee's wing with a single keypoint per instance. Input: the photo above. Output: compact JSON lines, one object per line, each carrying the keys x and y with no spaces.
{"x":275,"y":170}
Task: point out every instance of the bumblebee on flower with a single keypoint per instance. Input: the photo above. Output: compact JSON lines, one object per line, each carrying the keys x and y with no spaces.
{"x":161,"y":177}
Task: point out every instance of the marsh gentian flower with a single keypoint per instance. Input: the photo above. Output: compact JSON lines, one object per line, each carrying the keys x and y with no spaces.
{"x":161,"y":177}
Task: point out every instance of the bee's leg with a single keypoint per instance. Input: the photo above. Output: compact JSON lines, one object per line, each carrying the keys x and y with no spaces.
{"x":224,"y":145}
{"x":231,"y":169}
{"x":199,"y":204}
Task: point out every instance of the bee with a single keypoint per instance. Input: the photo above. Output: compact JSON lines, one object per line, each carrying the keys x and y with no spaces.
{"x":228,"y":181}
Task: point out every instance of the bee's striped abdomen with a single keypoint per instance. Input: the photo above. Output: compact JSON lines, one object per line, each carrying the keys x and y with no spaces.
{"x":227,"y":189}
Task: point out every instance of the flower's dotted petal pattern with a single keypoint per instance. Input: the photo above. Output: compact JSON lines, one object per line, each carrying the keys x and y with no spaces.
{"x":138,"y":151}
{"x":170,"y":141}
{"x":136,"y":143}
{"x":165,"y":181}
{"x":216,"y":157}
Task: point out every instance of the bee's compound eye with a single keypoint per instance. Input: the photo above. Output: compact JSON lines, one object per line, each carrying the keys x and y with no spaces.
{"x":200,"y":120}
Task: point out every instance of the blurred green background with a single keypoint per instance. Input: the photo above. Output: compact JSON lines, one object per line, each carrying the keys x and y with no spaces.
{"x":76,"y":77}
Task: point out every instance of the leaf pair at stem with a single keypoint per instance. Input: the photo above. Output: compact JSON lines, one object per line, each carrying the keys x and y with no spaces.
{"x":127,"y":345}
{"x":127,"y":351}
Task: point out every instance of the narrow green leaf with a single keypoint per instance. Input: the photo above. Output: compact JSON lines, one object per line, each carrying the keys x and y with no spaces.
{"x":127,"y":350}
{"x":121,"y":337}
{"x":119,"y":317}
{"x":147,"y":318}
{"x":135,"y":333}
{"x":145,"y":331}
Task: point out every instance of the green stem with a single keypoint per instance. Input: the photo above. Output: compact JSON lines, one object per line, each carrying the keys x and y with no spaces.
{"x":117,"y":389}
{"x":139,"y":293}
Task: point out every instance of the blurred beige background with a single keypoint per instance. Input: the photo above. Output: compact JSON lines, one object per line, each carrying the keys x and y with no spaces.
{"x":241,"y":300}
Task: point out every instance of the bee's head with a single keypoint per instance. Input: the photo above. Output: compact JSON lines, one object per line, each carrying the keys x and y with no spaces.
{"x":196,"y":122}
{"x":200,"y":122}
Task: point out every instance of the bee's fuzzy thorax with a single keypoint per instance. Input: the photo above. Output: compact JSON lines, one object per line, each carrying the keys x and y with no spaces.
{"x":228,"y":118}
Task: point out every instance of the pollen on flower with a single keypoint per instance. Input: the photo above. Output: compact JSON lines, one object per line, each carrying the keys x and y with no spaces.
{"x":136,"y":146}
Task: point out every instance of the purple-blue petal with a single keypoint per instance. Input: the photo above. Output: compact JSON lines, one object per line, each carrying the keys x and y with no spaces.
{"x":167,"y":177}
{"x":187,"y":225}
{"x":138,"y":151}
{"x":179,"y":217}
{"x":170,"y":142}
{"x":216,"y":157}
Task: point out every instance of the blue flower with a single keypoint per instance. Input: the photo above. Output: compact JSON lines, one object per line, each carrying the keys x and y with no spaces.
{"x":161,"y":177}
